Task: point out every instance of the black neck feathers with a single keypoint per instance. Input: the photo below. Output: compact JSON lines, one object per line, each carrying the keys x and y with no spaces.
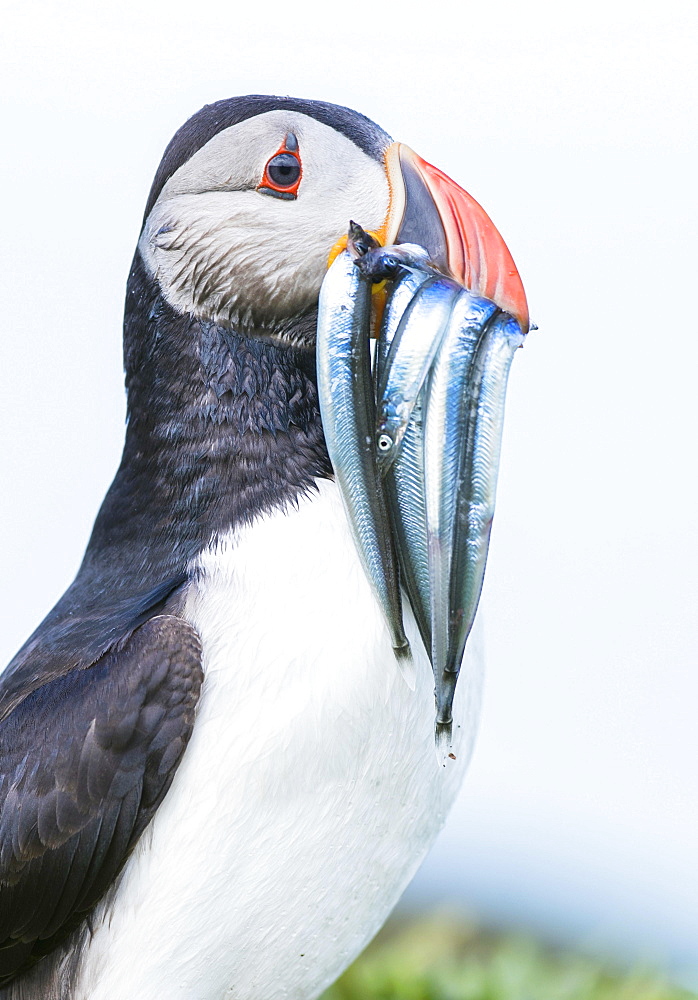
{"x":221,"y":427}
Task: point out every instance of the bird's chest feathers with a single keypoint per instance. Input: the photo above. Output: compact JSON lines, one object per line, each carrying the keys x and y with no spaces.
{"x":289,"y":625}
{"x":309,"y":792}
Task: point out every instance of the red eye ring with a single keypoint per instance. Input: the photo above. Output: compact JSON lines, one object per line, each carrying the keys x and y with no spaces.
{"x":283,"y":171}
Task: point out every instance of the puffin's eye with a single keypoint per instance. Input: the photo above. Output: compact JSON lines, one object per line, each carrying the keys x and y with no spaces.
{"x":284,"y":170}
{"x":282,"y":174}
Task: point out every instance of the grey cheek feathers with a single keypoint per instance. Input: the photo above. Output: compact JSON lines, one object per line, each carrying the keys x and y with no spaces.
{"x":237,"y":258}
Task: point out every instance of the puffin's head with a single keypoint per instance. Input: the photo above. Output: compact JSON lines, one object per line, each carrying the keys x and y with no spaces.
{"x":254,"y":192}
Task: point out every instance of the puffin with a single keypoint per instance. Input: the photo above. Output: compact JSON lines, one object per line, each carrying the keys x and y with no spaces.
{"x":215,"y":779}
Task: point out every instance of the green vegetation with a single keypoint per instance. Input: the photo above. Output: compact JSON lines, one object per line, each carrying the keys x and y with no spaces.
{"x":442,"y":958}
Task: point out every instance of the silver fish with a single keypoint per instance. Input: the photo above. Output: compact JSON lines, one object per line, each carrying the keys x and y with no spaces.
{"x":409,"y":267}
{"x":408,"y":280}
{"x":412,"y":352}
{"x":404,"y":477}
{"x":404,"y":484}
{"x":447,"y":425}
{"x":487,"y":386}
{"x":347,"y":406}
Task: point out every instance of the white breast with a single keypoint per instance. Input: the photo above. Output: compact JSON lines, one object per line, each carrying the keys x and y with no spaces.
{"x":310,"y":791}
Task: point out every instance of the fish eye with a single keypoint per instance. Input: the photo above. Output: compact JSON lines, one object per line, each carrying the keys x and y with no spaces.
{"x":282,"y":174}
{"x":385,"y":442}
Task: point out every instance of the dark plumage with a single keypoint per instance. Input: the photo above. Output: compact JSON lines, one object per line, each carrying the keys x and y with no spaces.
{"x":220,"y":427}
{"x":85,"y":761}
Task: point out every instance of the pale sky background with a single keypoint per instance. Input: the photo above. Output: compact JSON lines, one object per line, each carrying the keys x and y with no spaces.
{"x":576,"y":128}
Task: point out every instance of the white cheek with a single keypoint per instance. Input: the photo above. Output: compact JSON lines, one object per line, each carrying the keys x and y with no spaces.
{"x":235,"y":257}
{"x":249,"y":259}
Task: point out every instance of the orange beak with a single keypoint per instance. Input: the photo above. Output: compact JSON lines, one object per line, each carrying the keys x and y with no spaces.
{"x":428,"y":208}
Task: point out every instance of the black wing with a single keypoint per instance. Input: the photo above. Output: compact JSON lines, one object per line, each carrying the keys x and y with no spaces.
{"x":85,"y":760}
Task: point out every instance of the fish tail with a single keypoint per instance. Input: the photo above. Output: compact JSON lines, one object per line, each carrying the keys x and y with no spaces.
{"x":403,"y":651}
{"x":406,"y":664}
{"x":445,"y":692}
{"x":443,"y":742}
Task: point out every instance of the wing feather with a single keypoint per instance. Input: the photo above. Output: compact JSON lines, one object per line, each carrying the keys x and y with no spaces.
{"x":85,"y":760}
